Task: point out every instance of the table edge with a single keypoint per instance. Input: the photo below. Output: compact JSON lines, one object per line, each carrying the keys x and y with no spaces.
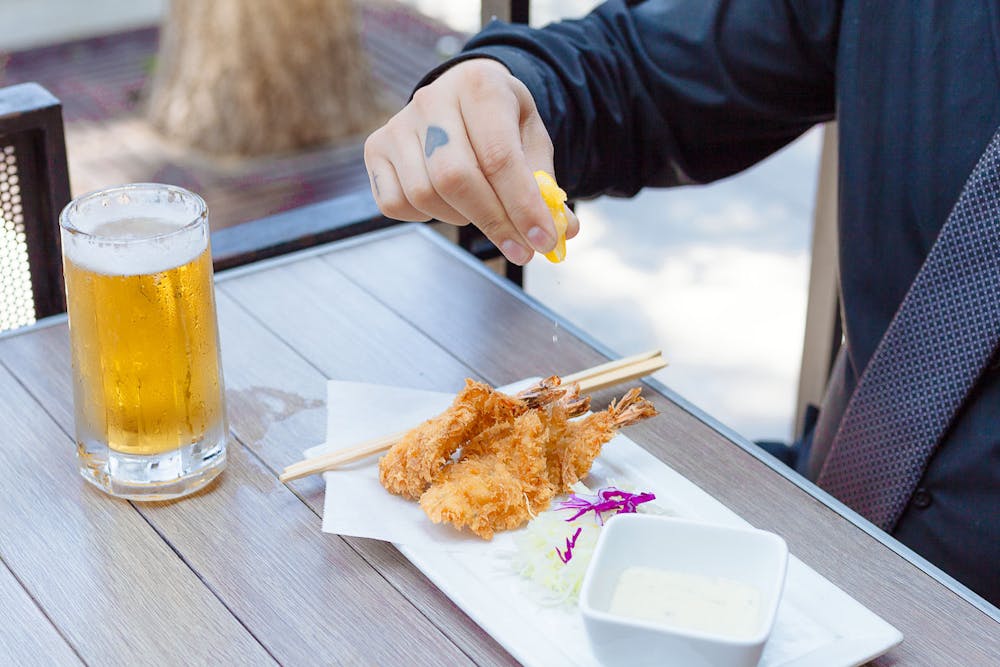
{"x":43,"y":323}
{"x":719,"y":427}
{"x":725,"y":431}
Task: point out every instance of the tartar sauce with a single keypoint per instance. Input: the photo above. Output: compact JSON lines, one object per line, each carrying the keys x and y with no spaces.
{"x":680,"y":600}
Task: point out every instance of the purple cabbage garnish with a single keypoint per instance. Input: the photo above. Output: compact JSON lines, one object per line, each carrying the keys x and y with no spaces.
{"x":566,"y":556}
{"x":607,"y":499}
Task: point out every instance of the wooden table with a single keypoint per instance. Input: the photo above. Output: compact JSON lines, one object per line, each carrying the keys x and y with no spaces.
{"x":242,"y":574}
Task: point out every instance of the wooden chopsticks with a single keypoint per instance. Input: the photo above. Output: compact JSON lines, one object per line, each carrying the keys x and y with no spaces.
{"x":590,"y":380}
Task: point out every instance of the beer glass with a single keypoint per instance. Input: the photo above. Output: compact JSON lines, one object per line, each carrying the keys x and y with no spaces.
{"x":147,"y":379}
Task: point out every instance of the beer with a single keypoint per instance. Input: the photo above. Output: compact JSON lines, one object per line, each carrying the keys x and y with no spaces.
{"x":146,"y":355}
{"x":147,"y":382}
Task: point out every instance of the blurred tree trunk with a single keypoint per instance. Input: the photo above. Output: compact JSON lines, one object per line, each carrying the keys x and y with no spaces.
{"x":249,"y":77}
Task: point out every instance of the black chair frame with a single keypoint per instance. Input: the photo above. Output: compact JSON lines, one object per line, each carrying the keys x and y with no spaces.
{"x":31,"y":130}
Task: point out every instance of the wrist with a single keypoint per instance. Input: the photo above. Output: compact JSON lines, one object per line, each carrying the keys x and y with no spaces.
{"x":460,"y":60}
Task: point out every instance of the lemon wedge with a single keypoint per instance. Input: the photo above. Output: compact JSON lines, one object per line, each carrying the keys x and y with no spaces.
{"x":555,"y":199}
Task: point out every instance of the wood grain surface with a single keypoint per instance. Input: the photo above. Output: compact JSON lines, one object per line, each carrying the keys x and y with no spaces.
{"x":26,"y":635}
{"x":486,"y":320}
{"x":273,"y":389}
{"x":112,"y":586}
{"x":242,"y":574}
{"x":256,"y":547}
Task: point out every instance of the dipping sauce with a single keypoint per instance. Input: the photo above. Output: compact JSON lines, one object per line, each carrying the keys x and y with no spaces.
{"x":685,"y":601}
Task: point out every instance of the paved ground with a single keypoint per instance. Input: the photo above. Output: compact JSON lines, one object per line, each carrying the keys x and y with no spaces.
{"x":716,"y":276}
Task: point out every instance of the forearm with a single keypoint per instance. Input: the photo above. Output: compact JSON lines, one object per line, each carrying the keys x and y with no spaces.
{"x":662,"y":92}
{"x":672,"y":92}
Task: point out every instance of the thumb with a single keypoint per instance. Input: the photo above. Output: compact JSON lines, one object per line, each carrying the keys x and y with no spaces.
{"x":535,"y":141}
{"x":539,"y":153}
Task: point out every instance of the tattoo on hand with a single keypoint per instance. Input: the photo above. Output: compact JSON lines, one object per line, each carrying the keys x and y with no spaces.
{"x":375,"y":183}
{"x":436,"y":137}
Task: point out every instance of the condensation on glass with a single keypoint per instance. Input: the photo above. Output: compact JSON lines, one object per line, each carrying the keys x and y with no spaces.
{"x":148,"y":392}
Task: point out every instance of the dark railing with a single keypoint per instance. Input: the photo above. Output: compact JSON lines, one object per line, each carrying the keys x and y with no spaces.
{"x":330,"y":220}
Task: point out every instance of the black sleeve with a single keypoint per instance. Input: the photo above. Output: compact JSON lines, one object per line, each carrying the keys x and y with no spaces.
{"x":671,"y":92}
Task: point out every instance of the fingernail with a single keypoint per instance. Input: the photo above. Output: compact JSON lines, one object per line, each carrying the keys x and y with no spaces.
{"x":540,"y":239}
{"x":515,"y":252}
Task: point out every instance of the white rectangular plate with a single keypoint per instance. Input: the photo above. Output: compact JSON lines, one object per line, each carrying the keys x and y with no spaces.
{"x":818,"y":624}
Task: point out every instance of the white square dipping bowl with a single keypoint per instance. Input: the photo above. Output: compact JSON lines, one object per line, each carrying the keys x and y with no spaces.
{"x":746,"y":555}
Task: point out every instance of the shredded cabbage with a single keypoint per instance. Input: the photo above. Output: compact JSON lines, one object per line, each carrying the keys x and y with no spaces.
{"x":553,"y":552}
{"x":537,"y":560}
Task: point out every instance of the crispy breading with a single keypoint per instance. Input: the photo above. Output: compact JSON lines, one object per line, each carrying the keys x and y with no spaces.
{"x":572,"y":452}
{"x":512,"y":470}
{"x":499,"y":490}
{"x":409,"y":466}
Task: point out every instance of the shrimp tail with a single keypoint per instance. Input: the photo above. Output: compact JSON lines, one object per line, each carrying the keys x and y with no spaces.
{"x":630,"y":409}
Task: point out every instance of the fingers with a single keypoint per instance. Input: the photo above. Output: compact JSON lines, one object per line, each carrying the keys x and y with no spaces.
{"x":494,"y":126}
{"x":388,"y":192}
{"x":465,"y":149}
{"x":399,"y":182}
{"x":451,"y":166}
{"x":384,"y":180}
{"x":417,"y":186}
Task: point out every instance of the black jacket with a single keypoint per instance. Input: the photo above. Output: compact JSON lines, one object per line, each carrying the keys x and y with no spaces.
{"x":673,"y":92}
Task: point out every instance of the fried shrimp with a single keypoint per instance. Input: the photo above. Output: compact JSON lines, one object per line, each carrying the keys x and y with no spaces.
{"x":572,"y":453}
{"x":493,"y":440}
{"x":513,"y":470}
{"x":498,"y":490}
{"x":409,"y":466}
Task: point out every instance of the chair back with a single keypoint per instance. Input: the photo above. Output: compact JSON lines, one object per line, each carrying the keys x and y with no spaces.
{"x":34,"y":188}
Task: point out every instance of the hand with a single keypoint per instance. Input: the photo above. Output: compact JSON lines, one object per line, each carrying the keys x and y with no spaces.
{"x":464,"y":151}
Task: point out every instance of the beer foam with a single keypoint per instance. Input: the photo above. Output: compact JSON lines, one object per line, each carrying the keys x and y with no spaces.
{"x":134,"y":247}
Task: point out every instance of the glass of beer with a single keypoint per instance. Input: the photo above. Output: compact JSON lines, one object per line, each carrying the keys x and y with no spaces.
{"x":147,"y":377}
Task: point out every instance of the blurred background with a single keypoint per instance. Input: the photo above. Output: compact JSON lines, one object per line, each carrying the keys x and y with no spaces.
{"x":263,"y":106}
